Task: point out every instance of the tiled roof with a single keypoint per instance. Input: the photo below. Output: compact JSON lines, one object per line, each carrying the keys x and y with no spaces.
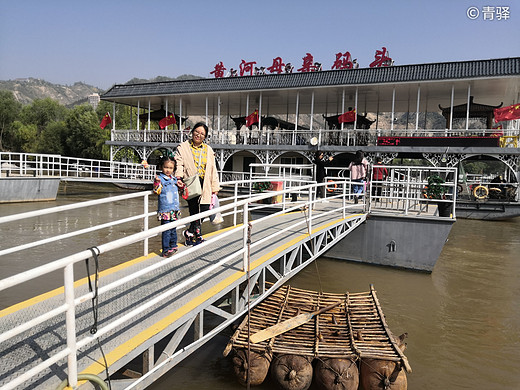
{"x":392,"y":74}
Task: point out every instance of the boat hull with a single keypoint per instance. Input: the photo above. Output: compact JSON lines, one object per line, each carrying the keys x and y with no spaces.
{"x":488,"y":210}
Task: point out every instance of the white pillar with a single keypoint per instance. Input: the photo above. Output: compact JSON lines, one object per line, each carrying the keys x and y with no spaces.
{"x":114,"y":116}
{"x":417,"y":112}
{"x":451,"y":105}
{"x":138,"y":112}
{"x":342,"y":105}
{"x":218,"y":114}
{"x":260,"y":113}
{"x":149,"y":109}
{"x":467,"y":108}
{"x":393,"y":109}
{"x":166,"y":110}
{"x":356,"y":108}
{"x":312,"y":110}
{"x":206,"y":111}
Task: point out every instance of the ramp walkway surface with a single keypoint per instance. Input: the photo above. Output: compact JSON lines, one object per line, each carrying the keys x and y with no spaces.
{"x":137,"y":334}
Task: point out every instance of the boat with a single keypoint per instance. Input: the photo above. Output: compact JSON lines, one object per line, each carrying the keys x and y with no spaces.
{"x":442,"y":113}
{"x":134,"y":186}
{"x":348,"y":343}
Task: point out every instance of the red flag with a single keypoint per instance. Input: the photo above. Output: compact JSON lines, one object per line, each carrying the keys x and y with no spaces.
{"x":252,"y":119}
{"x":167,"y":121}
{"x":106,"y":120}
{"x":349,"y":116}
{"x":507,"y":113}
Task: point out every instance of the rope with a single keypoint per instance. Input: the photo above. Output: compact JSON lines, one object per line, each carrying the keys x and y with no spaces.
{"x":86,"y":377}
{"x":95,"y":303}
{"x":338,"y":375}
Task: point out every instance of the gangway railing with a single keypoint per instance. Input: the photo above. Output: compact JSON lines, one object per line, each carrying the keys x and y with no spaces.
{"x":236,"y":205}
{"x":66,"y":265}
{"x":69,"y":168}
{"x":402,"y":189}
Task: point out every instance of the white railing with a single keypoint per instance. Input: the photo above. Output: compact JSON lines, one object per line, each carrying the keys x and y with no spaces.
{"x":336,"y":137}
{"x":402,"y":184}
{"x":239,"y":208}
{"x":50,"y":165}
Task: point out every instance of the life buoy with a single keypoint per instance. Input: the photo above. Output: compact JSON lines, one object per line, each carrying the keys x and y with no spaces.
{"x":329,"y":189}
{"x":480,"y":192}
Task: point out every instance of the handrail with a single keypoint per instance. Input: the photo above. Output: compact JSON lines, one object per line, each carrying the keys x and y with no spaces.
{"x":67,"y":263}
{"x":345,"y":137}
{"x":53,"y":165}
{"x":236,"y":207}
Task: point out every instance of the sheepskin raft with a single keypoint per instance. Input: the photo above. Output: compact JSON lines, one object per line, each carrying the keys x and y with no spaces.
{"x":337,"y":339}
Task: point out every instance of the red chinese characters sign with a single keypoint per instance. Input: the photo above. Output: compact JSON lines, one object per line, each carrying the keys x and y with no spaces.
{"x":382,"y":58}
{"x":342,"y":61}
{"x":219,"y":70}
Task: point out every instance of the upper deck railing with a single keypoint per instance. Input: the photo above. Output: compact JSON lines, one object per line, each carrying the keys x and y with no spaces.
{"x":318,"y":137}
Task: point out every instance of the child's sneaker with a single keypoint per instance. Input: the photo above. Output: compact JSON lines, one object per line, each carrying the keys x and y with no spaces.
{"x":170,"y":252}
{"x":199,"y":240}
{"x":189,"y":237}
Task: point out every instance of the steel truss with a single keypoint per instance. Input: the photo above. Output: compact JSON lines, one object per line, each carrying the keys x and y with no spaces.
{"x":192,"y":331}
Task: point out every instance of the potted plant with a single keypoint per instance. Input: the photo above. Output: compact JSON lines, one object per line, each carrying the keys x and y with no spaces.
{"x":436,"y":190}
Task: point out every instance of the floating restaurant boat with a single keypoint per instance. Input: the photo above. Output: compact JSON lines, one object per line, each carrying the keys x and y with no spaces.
{"x":349,"y":343}
{"x":444,"y":113}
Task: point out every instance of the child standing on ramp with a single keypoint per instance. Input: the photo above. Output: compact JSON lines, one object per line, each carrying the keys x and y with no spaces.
{"x":165,"y":185}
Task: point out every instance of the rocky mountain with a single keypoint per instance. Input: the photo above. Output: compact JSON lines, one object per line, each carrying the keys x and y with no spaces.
{"x":29,"y":89}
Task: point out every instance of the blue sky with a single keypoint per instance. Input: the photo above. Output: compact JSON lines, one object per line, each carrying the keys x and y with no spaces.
{"x":109,"y":42}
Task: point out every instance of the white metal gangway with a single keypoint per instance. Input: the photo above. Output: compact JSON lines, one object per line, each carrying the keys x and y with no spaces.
{"x":198,"y":292}
{"x":186,"y":299}
{"x":73,"y":168}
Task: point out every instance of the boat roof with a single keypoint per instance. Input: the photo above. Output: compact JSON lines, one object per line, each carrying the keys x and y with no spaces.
{"x":491,"y":81}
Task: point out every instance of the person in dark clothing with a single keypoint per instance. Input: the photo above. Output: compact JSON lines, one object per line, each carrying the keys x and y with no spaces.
{"x":321,"y":162}
{"x":379,"y":173}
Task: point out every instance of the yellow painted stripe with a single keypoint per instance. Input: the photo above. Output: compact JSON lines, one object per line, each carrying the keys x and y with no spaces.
{"x":120,"y":351}
{"x":77,"y":283}
{"x":50,"y":294}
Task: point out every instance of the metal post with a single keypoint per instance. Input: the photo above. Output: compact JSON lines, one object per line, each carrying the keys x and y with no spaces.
{"x":356,"y":109}
{"x":312,"y":111}
{"x":296,"y":121}
{"x":467,"y":108}
{"x":218,"y":115}
{"x":344,"y":200}
{"x":70,"y":321}
{"x":393,"y":109}
{"x":245,"y":220}
{"x":206,"y":110}
{"x":340,"y":137}
{"x":235,"y":208}
{"x":407,"y":198}
{"x":311,"y":206}
{"x":113,"y":116}
{"x":417,"y":111}
{"x":145,"y":223}
{"x":138,"y":111}
{"x":179,"y":126}
{"x":451,"y":105}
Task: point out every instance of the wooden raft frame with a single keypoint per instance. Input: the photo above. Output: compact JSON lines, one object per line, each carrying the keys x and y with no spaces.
{"x":355,"y":329}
